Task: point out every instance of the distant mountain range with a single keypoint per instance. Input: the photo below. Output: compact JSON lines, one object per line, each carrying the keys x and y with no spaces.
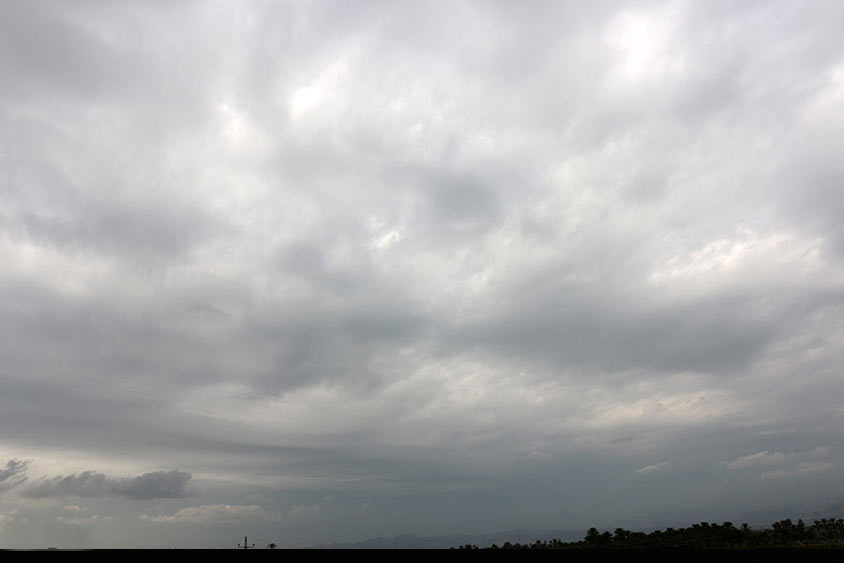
{"x":759,"y":517}
{"x":809,"y":512}
{"x":447,"y":541}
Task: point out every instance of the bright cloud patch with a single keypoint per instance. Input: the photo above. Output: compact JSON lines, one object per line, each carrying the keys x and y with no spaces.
{"x":777,"y":465}
{"x":214,"y":514}
{"x":648,"y":469}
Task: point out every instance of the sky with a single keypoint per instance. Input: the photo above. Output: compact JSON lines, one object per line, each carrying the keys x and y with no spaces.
{"x":322,"y":271}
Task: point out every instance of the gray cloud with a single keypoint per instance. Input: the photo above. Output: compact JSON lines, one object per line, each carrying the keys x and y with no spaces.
{"x":13,"y":475}
{"x":762,"y":459}
{"x":407,"y":257}
{"x":157,"y":485}
{"x":214,"y":514}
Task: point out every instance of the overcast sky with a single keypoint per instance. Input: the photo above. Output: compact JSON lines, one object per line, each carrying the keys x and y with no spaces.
{"x":323,"y":271}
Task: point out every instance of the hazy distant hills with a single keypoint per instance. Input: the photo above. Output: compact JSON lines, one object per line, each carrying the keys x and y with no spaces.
{"x":809,"y":512}
{"x":455,"y":540}
{"x":762,"y":517}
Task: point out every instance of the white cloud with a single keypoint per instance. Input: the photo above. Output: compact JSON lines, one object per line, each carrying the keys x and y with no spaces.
{"x":215,"y":514}
{"x":760,"y":459}
{"x":792,"y":465}
{"x":653,"y":468}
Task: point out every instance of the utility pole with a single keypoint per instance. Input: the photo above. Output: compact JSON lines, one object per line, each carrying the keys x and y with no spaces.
{"x":245,"y":544}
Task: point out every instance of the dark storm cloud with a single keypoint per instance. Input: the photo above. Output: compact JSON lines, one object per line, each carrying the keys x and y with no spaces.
{"x":157,"y":485}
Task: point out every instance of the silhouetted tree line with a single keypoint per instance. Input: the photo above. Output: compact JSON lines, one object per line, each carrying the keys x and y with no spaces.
{"x":785,"y":533}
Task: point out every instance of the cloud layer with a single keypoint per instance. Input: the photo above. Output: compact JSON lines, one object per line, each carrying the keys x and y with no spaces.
{"x":13,"y":475}
{"x":214,"y":514}
{"x":498,"y":262}
{"x":161,"y":484}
